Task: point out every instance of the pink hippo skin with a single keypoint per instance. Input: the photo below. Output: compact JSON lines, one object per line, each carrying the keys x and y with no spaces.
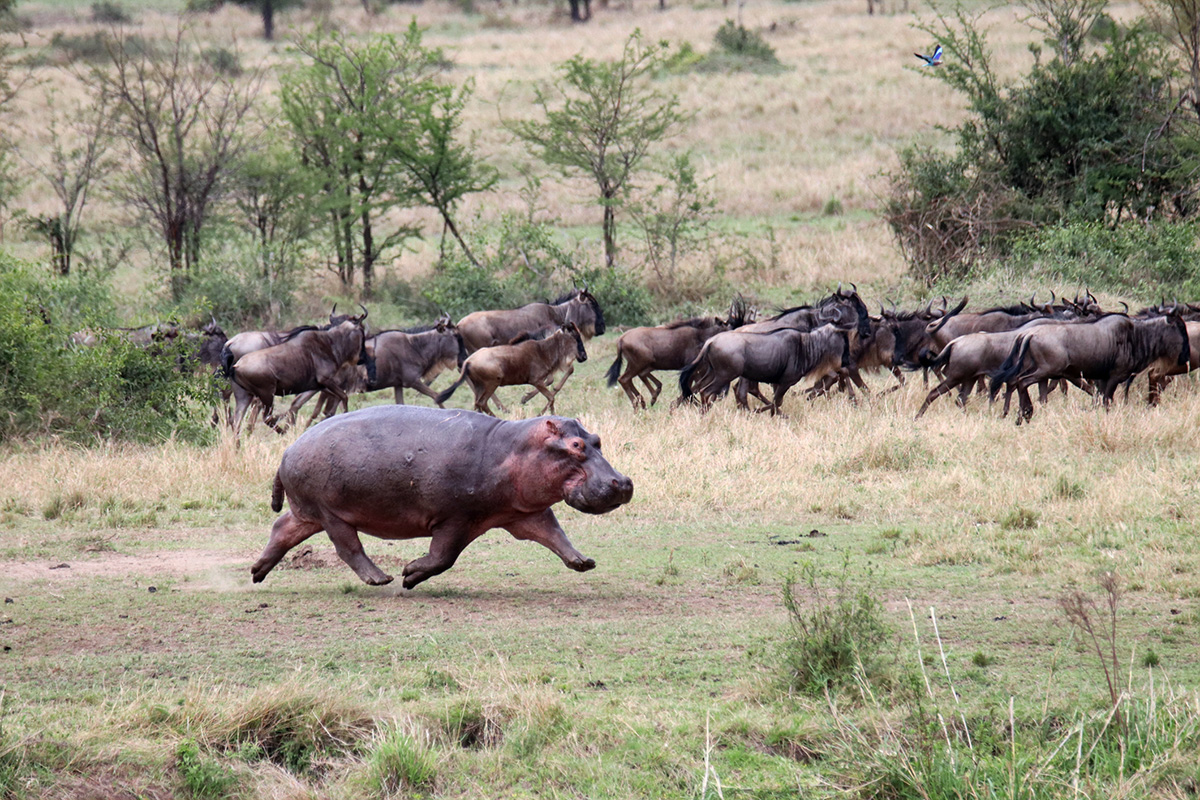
{"x":403,"y":472}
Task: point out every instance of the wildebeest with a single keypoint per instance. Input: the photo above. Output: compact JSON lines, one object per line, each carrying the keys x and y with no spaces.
{"x":404,"y":472}
{"x":526,"y":361}
{"x":1162,"y":371}
{"x":1108,"y":351}
{"x":670,"y":346}
{"x":842,"y":308}
{"x":309,"y":361}
{"x":491,"y":328}
{"x":414,"y":357}
{"x":781,"y":358}
{"x":143,"y":336}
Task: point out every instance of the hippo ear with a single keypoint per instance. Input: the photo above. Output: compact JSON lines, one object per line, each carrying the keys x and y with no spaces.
{"x":553,"y":429}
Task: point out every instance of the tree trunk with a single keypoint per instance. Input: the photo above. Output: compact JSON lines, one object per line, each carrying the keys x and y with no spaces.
{"x":458,"y":237}
{"x":610,"y":229}
{"x":368,"y":261}
{"x":268,"y":17}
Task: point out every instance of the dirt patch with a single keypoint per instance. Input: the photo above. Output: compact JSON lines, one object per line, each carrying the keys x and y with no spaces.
{"x":114,"y":565}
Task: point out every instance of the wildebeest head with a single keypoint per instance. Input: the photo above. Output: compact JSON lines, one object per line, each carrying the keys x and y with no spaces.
{"x":591,"y":485}
{"x":446,"y":325}
{"x":573,"y":329}
{"x":584,"y":310}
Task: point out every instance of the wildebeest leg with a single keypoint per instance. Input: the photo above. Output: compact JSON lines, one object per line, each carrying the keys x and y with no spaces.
{"x":399,"y":393}
{"x":298,"y":404}
{"x":349,"y":549}
{"x":654,"y":385}
{"x":777,"y":404}
{"x":964,"y":393}
{"x":544,"y":529}
{"x":945,"y":387}
{"x":562,"y":382}
{"x":635,"y":398}
{"x":548,"y":394}
{"x":422,"y":387}
{"x":286,"y":533}
{"x":756,"y":391}
{"x":899,"y":375}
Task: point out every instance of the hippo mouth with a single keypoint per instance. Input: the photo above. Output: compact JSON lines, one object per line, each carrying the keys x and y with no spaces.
{"x":599,"y":496}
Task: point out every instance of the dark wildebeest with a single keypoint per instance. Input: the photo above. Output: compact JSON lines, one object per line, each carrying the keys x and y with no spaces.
{"x":491,"y":328}
{"x":1162,"y":371}
{"x":670,"y":346}
{"x":781,"y":358}
{"x":249,"y":341}
{"x":841,"y":308}
{"x":526,"y":361}
{"x":412,"y":358}
{"x":404,"y":472}
{"x":1107,"y":351}
{"x":309,"y":361}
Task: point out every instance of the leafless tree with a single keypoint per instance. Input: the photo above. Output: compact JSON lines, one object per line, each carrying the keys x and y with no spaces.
{"x":181,"y":123}
{"x":75,"y":162}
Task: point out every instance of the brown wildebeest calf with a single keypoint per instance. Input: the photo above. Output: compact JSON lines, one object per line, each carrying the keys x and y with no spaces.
{"x":525,"y":361}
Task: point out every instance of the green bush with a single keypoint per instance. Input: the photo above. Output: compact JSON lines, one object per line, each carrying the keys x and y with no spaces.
{"x":1079,"y":138}
{"x":107,"y":12}
{"x":737,"y":40}
{"x":836,"y":628}
{"x":1145,"y":261}
{"x":112,"y":390}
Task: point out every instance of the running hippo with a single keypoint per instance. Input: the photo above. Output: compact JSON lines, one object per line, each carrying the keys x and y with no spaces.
{"x":402,"y":472}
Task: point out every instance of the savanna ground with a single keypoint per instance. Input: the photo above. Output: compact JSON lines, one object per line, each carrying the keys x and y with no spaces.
{"x":140,"y":661}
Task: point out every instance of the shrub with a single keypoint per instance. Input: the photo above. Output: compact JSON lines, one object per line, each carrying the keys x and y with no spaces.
{"x":834,"y":630}
{"x":112,"y":390}
{"x":223,"y":60}
{"x":1080,"y":138}
{"x":107,"y":12}
{"x":1019,"y":519}
{"x":740,"y":41}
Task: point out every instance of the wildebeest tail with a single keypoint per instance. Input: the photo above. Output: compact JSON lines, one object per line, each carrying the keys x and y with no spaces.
{"x":685,"y":376}
{"x":615,"y":370}
{"x":1010,"y":368}
{"x":226,"y":362}
{"x":934,"y":362}
{"x":445,"y":395}
{"x":277,"y":494}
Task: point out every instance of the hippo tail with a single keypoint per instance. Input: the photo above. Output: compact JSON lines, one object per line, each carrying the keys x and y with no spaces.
{"x":445,"y":395}
{"x":615,"y":370}
{"x":277,"y":494}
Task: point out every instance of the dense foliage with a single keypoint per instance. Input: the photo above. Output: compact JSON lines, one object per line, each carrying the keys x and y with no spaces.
{"x":112,"y":390}
{"x":1088,"y":135}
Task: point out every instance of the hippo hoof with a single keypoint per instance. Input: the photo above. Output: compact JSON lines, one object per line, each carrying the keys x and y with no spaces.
{"x":383,"y":581}
{"x":584,"y":565}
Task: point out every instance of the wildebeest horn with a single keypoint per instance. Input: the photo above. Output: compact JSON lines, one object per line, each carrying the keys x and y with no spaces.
{"x":1126,"y":306}
{"x":365,"y":312}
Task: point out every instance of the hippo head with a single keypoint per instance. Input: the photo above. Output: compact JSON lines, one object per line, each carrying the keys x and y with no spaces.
{"x":590,"y":484}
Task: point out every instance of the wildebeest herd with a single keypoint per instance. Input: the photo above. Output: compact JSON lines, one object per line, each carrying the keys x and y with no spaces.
{"x":831,"y":342}
{"x":400,"y":472}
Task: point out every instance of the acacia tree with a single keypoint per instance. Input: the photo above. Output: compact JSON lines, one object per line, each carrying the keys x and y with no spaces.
{"x":179,"y":121}
{"x":601,"y":120}
{"x":272,"y":195}
{"x":77,"y":159}
{"x":1179,"y":21}
{"x":378,"y":133}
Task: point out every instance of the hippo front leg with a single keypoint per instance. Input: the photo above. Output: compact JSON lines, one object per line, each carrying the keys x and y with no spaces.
{"x":544,"y":529}
{"x":349,"y":548}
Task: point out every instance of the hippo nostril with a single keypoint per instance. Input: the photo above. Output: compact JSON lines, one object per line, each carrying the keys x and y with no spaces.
{"x":616,"y":484}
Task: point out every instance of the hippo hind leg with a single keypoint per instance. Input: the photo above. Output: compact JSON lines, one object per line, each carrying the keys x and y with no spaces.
{"x":286,"y":533}
{"x":349,"y":549}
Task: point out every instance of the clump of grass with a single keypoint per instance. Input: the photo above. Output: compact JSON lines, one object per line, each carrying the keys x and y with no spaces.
{"x":470,"y":726}
{"x":398,"y":764}
{"x":1150,"y":659}
{"x":1066,"y":488}
{"x":836,"y":628}
{"x":741,"y":571}
{"x":60,"y":505}
{"x":894,"y":455}
{"x":833,"y":207}
{"x":982,"y":659}
{"x":290,"y":724}
{"x":1019,"y":519}
{"x":203,"y":777}
{"x":440,"y":679}
{"x":670,"y":571}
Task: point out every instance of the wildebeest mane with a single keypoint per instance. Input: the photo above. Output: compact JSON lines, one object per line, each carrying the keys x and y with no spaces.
{"x":533,"y":336}
{"x":565,"y":298}
{"x":287,"y":336}
{"x":1018,"y":310}
{"x":781,"y":312}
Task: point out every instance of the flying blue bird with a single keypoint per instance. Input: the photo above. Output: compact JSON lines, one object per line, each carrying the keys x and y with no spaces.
{"x":933,"y":60}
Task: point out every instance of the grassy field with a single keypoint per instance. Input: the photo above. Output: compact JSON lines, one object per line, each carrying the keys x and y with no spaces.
{"x":138,"y":660}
